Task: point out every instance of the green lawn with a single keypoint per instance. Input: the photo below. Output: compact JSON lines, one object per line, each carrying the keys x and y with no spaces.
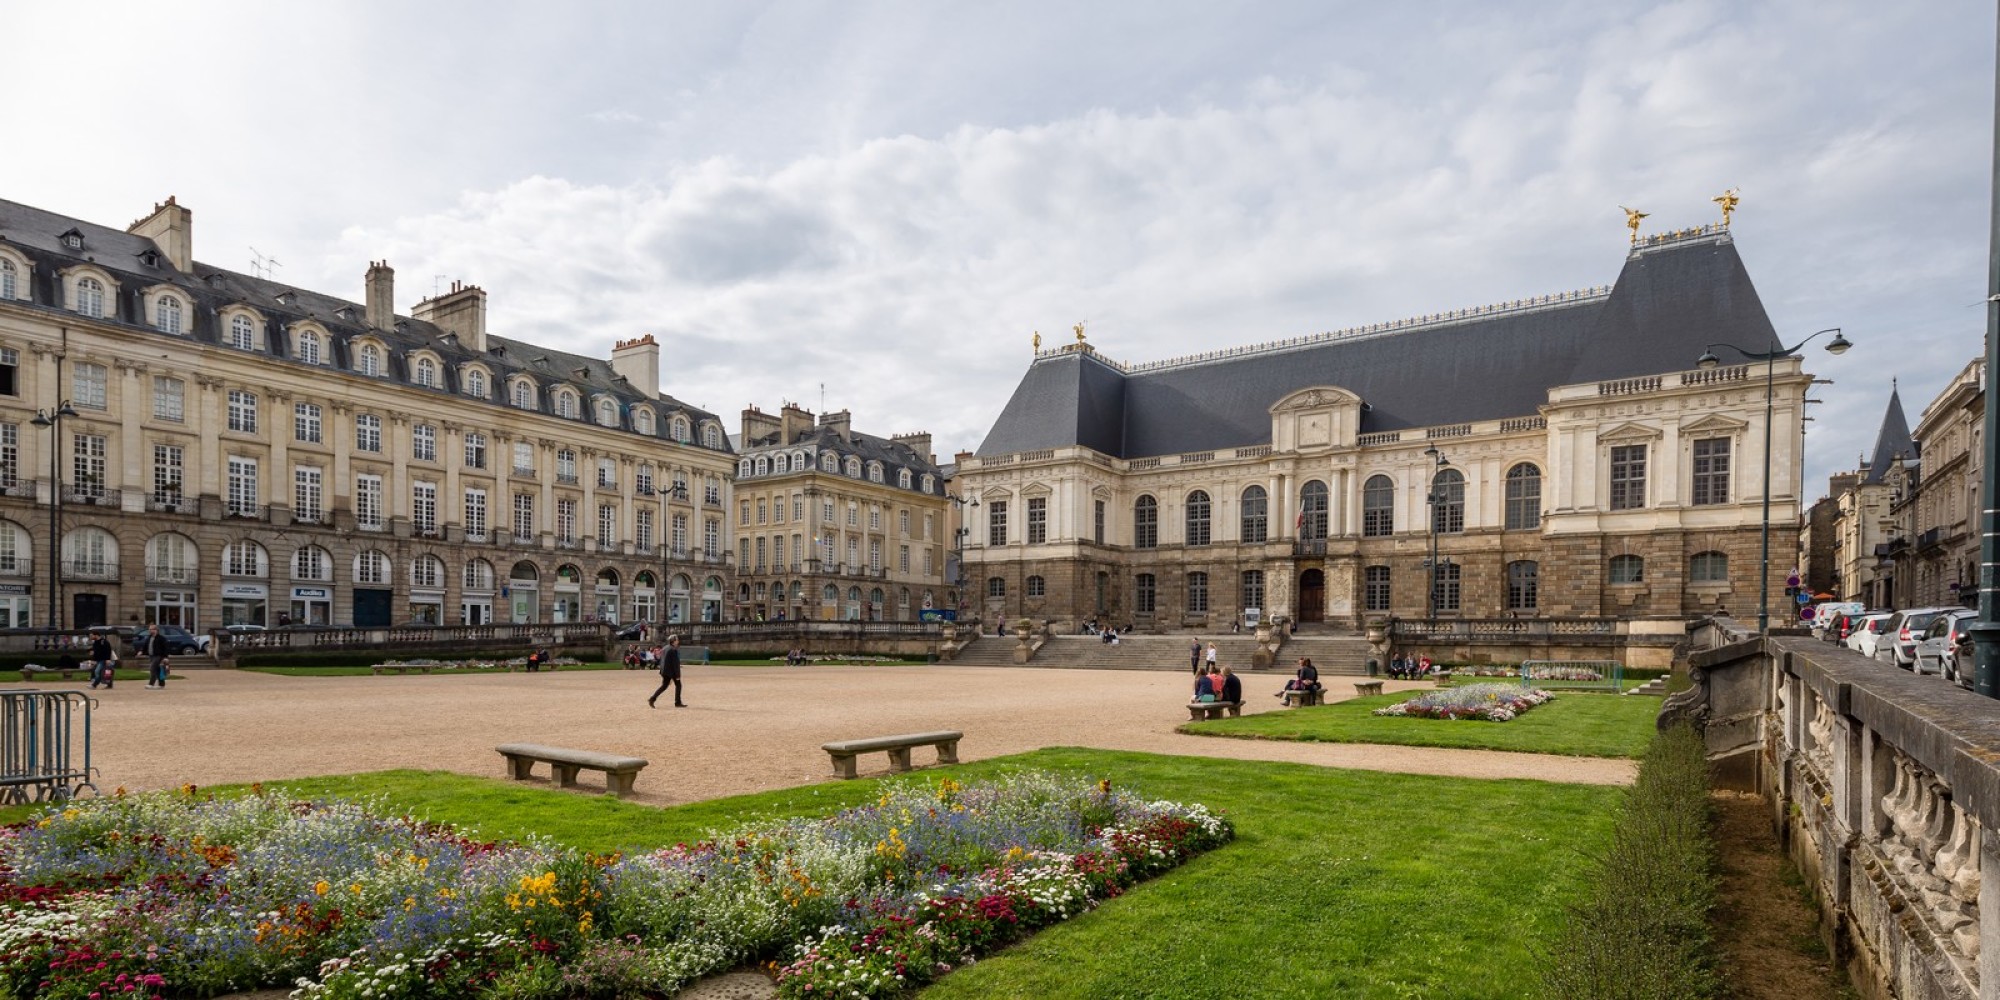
{"x":1341,"y":883}
{"x":1574,"y":724}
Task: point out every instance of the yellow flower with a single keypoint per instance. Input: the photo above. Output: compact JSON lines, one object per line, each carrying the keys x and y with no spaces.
{"x":320,"y":887}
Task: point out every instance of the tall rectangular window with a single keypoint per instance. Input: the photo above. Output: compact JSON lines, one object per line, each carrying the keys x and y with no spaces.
{"x":475,"y":450}
{"x":1375,"y":588}
{"x":307,"y":502}
{"x":368,"y":433}
{"x":167,"y":471}
{"x":1038,"y":520}
{"x":1145,"y":593}
{"x":1197,"y":592}
{"x":711,"y":537}
{"x":1711,"y":471}
{"x":368,"y":502}
{"x":306,"y":422}
{"x":10,"y":369}
{"x":1447,"y":587}
{"x":169,"y":399}
{"x":875,"y":555}
{"x":565,"y":466}
{"x":87,"y":382}
{"x":87,"y":464}
{"x":10,"y":455}
{"x":242,"y":411}
{"x":524,"y":516}
{"x":524,"y":458}
{"x":1253,"y":588}
{"x":679,"y":541}
{"x":607,"y":473}
{"x":1523,"y":585}
{"x":242,"y":485}
{"x":902,"y":559}
{"x":424,"y":443}
{"x":424,"y":508}
{"x":566,"y":521}
{"x":996,"y":522}
{"x":475,"y":515}
{"x":607,"y":524}
{"x":1628,"y":477}
{"x":642,"y":531}
{"x":1097,"y":522}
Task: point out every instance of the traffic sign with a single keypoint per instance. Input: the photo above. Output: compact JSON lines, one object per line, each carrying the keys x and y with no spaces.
{"x":1808,"y":613}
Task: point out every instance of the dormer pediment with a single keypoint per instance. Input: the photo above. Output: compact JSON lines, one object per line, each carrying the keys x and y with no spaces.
{"x":1715,"y":423}
{"x":1036,"y":490}
{"x":1316,"y":398}
{"x":1630,"y":433}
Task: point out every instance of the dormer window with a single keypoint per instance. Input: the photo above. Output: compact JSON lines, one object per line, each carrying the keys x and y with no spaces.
{"x":72,"y":240}
{"x":475,"y":383}
{"x":150,"y":258}
{"x":308,"y":348}
{"x":425,"y":374}
{"x":566,"y":404}
{"x":345,"y":314}
{"x":607,"y":412}
{"x":369,"y":361}
{"x":288,"y":298}
{"x":167,"y":316}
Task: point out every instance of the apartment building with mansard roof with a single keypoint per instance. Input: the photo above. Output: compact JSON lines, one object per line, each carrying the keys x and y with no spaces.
{"x":218,"y":448}
{"x":1563,"y":455}
{"x":836,"y":525}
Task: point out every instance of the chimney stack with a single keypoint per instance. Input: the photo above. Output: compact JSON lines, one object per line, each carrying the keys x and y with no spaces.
{"x":171,"y":228}
{"x":919,"y":442}
{"x":838,"y":420}
{"x":461,"y":311}
{"x":638,"y":360}
{"x":760,"y":428}
{"x":795,"y":421}
{"x":380,"y":297}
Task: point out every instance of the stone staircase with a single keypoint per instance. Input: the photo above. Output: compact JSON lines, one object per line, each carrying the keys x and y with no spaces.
{"x":1142,"y":652}
{"x":988,"y":651}
{"x":1657,"y":686}
{"x":1331,"y":653}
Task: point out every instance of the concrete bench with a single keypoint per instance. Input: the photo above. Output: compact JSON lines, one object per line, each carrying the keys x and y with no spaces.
{"x":31,"y":670}
{"x":619,"y":772}
{"x":1199,"y":710}
{"x":1362,"y":689}
{"x":844,"y":751}
{"x":1295,"y":698}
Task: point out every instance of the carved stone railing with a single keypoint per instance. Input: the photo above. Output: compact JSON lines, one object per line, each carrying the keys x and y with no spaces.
{"x":1885,"y":789}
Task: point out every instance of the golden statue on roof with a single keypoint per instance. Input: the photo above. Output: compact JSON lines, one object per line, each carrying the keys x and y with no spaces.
{"x":1728,"y":200}
{"x":1632,"y":217}
{"x":1038,"y":341}
{"x":1079,"y":332}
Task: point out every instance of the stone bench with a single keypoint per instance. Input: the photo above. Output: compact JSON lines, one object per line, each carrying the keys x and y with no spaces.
{"x":1296,"y":698}
{"x":843,"y":752}
{"x":32,"y":670}
{"x":398,"y":668}
{"x":1363,"y":689}
{"x":1199,"y":710}
{"x":619,"y":772}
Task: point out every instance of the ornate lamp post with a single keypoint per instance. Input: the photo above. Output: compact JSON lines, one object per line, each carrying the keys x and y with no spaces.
{"x":672,"y":491}
{"x":1838,"y":345}
{"x":1431,"y":501}
{"x":52,"y":420}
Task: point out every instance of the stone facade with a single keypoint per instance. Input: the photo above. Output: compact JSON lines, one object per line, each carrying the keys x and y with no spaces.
{"x":1935,"y":553}
{"x":836,"y":525}
{"x":230,"y":450}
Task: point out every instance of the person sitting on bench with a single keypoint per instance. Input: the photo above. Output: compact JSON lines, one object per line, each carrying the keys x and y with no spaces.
{"x":1306,"y":679}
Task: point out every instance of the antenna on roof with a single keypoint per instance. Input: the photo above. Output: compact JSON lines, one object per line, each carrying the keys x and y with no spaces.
{"x":261,"y":264}
{"x":822,"y":397}
{"x":437,"y":285}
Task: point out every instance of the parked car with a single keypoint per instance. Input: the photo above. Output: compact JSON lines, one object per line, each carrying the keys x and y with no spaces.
{"x":180,"y":642}
{"x":1866,"y":634}
{"x":1937,"y":648}
{"x":1842,"y":628}
{"x":1961,"y":656}
{"x":1827,"y":618}
{"x":1905,"y":630}
{"x":631,"y":632}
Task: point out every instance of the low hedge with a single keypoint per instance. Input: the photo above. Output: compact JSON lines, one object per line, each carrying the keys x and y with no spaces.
{"x":1641,"y":930}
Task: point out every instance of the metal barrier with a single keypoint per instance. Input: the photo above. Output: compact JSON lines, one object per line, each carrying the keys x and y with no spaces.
{"x":37,"y":745}
{"x":1574,"y":674}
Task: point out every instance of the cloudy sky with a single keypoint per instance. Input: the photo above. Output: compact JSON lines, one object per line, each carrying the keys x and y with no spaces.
{"x":888,"y":199}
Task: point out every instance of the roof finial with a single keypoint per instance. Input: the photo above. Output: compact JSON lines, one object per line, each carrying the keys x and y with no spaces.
{"x":1632,"y":217}
{"x":1038,"y":341}
{"x":1079,"y":331}
{"x":1727,"y":200}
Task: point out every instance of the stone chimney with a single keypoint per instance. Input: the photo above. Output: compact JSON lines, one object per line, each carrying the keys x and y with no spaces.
{"x":461,"y":311}
{"x":380,"y":297}
{"x":171,"y":228}
{"x":838,"y":420}
{"x":638,"y":360}
{"x":758,"y":425}
{"x":919,"y":442}
{"x":795,"y":421}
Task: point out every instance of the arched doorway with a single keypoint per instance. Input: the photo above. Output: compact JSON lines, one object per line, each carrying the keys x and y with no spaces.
{"x":1312,"y":596}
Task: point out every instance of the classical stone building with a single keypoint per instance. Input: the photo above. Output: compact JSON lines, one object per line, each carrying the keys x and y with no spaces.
{"x":1865,"y":526}
{"x":836,"y":525}
{"x":227,"y":449}
{"x":1565,"y":455}
{"x":1935,"y":553}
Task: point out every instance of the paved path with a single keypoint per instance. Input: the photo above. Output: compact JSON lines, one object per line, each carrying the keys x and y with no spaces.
{"x":747,"y":728}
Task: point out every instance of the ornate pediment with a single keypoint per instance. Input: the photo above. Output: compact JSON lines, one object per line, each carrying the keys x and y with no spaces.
{"x":1316,"y":398}
{"x":1714,"y":424}
{"x":1629,"y":433}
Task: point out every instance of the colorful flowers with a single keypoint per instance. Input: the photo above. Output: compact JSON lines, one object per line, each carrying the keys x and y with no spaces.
{"x":1487,"y":702}
{"x":145,"y":894}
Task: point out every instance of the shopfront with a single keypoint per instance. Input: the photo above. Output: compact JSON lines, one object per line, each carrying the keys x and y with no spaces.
{"x":426,"y":608}
{"x":245,"y":604}
{"x":16,"y":604}
{"x":311,"y":606}
{"x":171,"y":606}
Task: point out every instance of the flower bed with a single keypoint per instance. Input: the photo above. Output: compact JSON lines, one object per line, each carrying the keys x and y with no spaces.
{"x":174,"y":894}
{"x":448,"y":665}
{"x":1534,"y":673}
{"x":1488,"y":702}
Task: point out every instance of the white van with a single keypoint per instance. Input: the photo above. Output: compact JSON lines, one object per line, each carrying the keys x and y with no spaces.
{"x":1823,"y":613}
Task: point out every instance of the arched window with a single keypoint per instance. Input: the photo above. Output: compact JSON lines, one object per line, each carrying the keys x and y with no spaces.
{"x":1312,"y":510}
{"x":1197,"y":518}
{"x":245,"y":558}
{"x":565,"y":403}
{"x":1627,"y":569}
{"x":1448,"y":502}
{"x":475,"y":383}
{"x":1037,"y":587}
{"x":1145,"y":523}
{"x":763,"y":465}
{"x":874,"y":472}
{"x":607,"y":413}
{"x":522,"y":394}
{"x":853,"y":467}
{"x":781,"y":463}
{"x":903,"y":479}
{"x":1378,"y":507}
{"x":14,"y":550}
{"x":427,"y":571}
{"x":607,"y":577}
{"x":1524,"y":497}
{"x":369,"y":361}
{"x":242,"y":333}
{"x":829,"y":462}
{"x":90,"y":297}
{"x":1523,"y":591}
{"x":90,"y":553}
{"x":167,"y":314}
{"x":642,"y":420}
{"x":830,"y":594}
{"x":680,"y":430}
{"x":308,"y":347}
{"x":1709,"y":567}
{"x":371,"y":567}
{"x":10,"y":280}
{"x":1197,"y":592}
{"x":311,"y":562}
{"x":711,"y":436}
{"x":426,"y":374}
{"x":478,"y":575}
{"x":1256,"y":514}
{"x":170,"y":558}
{"x":525,"y":572}
{"x":743,"y":467}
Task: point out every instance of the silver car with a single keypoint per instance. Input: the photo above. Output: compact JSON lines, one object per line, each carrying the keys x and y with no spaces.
{"x":1937,"y":648}
{"x":1905,"y":630}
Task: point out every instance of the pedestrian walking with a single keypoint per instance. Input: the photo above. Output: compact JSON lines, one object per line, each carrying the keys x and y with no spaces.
{"x":102,"y":661}
{"x":154,"y":645}
{"x":670,"y":673}
{"x":1211,"y":657}
{"x":1194,"y":656}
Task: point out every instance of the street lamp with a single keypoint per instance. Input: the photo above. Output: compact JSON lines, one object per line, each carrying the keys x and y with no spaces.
{"x":52,"y":419}
{"x":1838,"y":345}
{"x":675,"y":491}
{"x":1431,"y":501}
{"x":958,"y":545}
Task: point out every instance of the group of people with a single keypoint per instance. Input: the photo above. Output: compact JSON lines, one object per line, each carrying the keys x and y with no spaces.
{"x":1218,"y":683}
{"x":1409,"y":667}
{"x":104,"y":658}
{"x":795,"y":658}
{"x":1306,"y":678}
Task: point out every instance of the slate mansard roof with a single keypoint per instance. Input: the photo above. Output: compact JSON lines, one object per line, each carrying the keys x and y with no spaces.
{"x":893,"y":455}
{"x":138,"y":265}
{"x":1675,"y":296}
